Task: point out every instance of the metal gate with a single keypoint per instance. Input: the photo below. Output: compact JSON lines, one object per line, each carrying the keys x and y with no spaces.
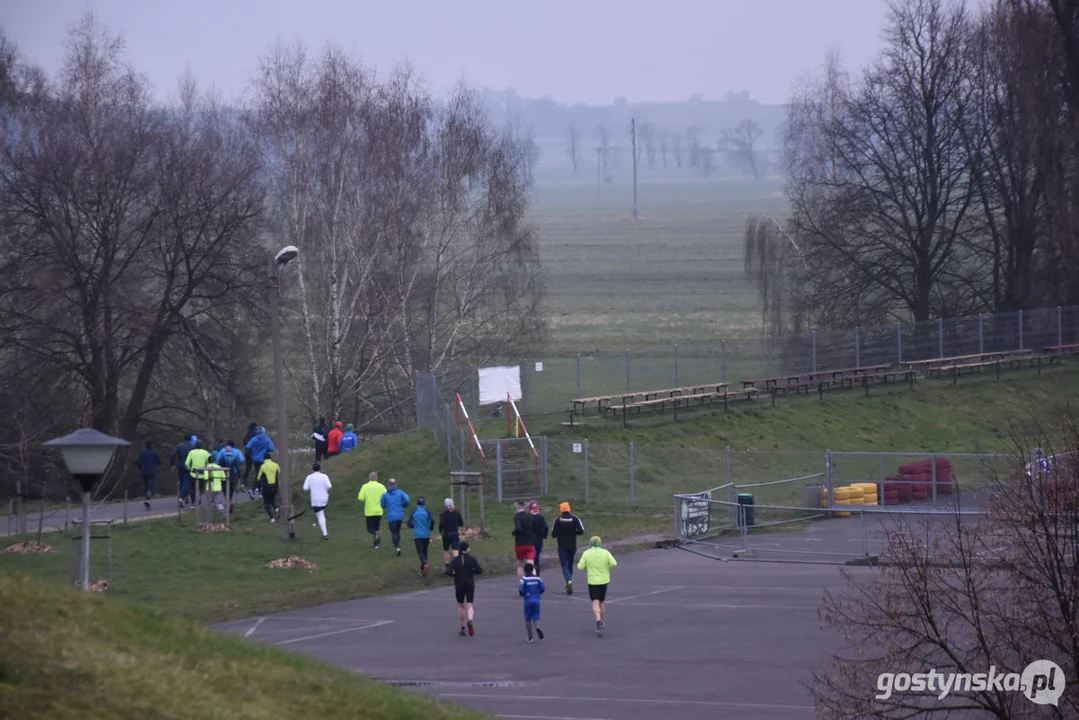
{"x":520,"y":467}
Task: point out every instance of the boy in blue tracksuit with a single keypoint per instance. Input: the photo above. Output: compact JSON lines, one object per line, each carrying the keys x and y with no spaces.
{"x":394,"y":501}
{"x":422,"y":523}
{"x":530,"y":588}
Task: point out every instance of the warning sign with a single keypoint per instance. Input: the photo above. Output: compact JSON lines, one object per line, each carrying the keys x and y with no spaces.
{"x":695,"y":515}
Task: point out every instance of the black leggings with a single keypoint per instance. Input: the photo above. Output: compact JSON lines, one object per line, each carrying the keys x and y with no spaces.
{"x":395,"y":532}
{"x":269,"y":495}
{"x":421,"y":549}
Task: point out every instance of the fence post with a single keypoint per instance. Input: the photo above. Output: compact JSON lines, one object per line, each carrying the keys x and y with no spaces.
{"x":899,"y":341}
{"x":723,"y":360}
{"x":543,"y":460}
{"x":1060,"y":327}
{"x":880,"y":481}
{"x":1020,"y":329}
{"x":857,"y":346}
{"x":578,"y":374}
{"x":498,"y":468}
{"x":769,"y":353}
{"x":813,"y":343}
{"x":933,"y":458}
{"x":631,"y":469}
{"x":675,"y":514}
{"x":981,"y":334}
{"x":829,"y":477}
{"x":940,"y":337}
{"x":728,"y":464}
{"x":586,"y":471}
{"x":676,"y":365}
{"x":526,"y":391}
{"x":627,"y":371}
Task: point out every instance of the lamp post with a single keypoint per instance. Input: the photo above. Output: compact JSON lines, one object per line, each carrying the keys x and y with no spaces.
{"x":284,"y":257}
{"x":86,"y":454}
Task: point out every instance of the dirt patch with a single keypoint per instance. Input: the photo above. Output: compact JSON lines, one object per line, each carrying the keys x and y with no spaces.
{"x":99,"y":586}
{"x":213,"y":527}
{"x":290,"y":563}
{"x":26,"y":548}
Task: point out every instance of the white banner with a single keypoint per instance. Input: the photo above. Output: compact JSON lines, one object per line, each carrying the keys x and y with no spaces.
{"x":495,"y":382}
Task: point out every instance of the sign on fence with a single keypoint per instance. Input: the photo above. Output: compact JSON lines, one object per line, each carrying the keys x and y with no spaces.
{"x":576,"y":447}
{"x":539,"y":367}
{"x":695,"y":515}
{"x":495,"y":382}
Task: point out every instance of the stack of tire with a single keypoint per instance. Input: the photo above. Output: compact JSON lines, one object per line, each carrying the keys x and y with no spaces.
{"x":840,"y":496}
{"x":869,"y":493}
{"x":915,"y":480}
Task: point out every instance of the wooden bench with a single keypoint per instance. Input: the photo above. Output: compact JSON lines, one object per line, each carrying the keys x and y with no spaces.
{"x":1056,"y":353}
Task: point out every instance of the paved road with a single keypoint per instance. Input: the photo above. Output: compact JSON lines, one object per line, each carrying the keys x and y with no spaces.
{"x":687,"y":636}
{"x":55,"y":519}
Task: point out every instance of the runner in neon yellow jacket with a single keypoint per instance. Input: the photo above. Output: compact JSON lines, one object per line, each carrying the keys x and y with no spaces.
{"x":371,"y":496}
{"x":598,"y":561}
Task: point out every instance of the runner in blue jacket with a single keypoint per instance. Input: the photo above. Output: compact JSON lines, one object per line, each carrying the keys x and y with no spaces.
{"x":422,"y":523}
{"x":394,"y":501}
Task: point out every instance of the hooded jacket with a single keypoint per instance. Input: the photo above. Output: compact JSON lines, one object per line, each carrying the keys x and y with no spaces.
{"x":259,"y":445}
{"x":394,"y":502}
{"x":349,"y":440}
{"x":197,"y":459}
{"x":333,"y":440}
{"x":422,"y":523}
{"x":524,"y":530}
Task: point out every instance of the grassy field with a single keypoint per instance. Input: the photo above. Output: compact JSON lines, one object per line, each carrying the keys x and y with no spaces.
{"x":675,"y":275}
{"x":64,"y":654}
{"x":218,"y":576}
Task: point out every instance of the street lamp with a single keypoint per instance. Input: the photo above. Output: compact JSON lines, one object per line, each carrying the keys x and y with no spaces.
{"x":86,"y":454}
{"x":286,"y":255}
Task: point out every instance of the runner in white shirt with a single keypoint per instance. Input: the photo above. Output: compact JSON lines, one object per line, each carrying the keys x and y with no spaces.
{"x":318,"y":484}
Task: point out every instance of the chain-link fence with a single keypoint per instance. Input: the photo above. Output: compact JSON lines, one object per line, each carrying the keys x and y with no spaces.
{"x":549,"y":383}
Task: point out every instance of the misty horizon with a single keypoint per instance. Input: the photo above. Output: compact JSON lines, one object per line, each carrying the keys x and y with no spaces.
{"x":593,"y":54}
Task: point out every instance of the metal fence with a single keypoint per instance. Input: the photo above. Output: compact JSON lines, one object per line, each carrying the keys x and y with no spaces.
{"x":548,"y":383}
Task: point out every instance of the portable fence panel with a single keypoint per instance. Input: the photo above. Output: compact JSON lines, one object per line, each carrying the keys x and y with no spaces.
{"x":775,"y":477}
{"x":518,"y":470}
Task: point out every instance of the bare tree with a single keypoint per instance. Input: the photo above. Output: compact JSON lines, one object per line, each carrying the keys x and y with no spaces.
{"x":573,"y":145}
{"x":969,"y":596}
{"x":603,"y":147}
{"x":738,"y":145}
{"x":676,"y":149}
{"x":888,"y":203}
{"x":693,"y":146}
{"x":122,"y":223}
{"x":664,"y":146}
{"x":646,"y":132}
{"x":771,"y":263}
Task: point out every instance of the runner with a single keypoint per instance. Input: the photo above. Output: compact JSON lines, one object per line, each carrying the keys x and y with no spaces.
{"x":530,"y":588}
{"x":598,"y":562}
{"x":523,"y":533}
{"x":258,"y":446}
{"x":540,"y":530}
{"x":197,"y":459}
{"x":333,"y":440}
{"x":422,"y":523}
{"x":148,"y":461}
{"x":464,"y":569}
{"x":252,"y":431}
{"x":566,"y":529}
{"x":450,"y":523}
{"x":349,"y":439}
{"x":319,"y":436}
{"x":394,"y":501}
{"x":371,"y":496}
{"x":267,"y":479}
{"x":318,"y":484}
{"x":178,"y":460}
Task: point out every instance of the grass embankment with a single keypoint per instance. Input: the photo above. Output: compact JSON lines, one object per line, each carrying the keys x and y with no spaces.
{"x":222,"y":575}
{"x":65,"y":654}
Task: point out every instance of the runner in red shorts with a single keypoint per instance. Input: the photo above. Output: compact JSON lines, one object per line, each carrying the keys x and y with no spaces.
{"x":523,"y":538}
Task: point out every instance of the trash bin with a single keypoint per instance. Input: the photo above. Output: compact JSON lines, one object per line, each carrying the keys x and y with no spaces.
{"x":813,"y":496}
{"x":745,"y":510}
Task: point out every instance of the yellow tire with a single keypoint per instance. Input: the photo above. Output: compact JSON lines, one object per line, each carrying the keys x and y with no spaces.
{"x":842,"y":514}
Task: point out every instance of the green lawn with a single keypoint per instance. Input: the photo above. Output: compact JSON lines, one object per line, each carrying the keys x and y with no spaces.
{"x":66,"y":654}
{"x":219,"y":576}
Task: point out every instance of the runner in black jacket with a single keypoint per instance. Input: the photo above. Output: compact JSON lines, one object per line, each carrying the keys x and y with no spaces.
{"x":540,"y":528}
{"x":565,"y":530}
{"x":524,"y":533}
{"x":450,"y":523}
{"x":464,"y":569}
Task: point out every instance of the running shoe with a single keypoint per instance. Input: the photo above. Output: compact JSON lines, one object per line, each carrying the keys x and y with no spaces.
{"x":398,"y":551}
{"x":531,"y":640}
{"x":471,"y":630}
{"x":463,"y":633}
{"x":147,"y":504}
{"x":539,"y":633}
{"x":569,"y":587}
{"x":423,"y":571}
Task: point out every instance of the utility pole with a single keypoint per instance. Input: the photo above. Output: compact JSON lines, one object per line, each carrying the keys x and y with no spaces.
{"x":633,"y":133}
{"x":599,"y":181}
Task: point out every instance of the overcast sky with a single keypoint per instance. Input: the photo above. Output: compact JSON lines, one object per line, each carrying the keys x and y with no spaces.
{"x":588,"y":51}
